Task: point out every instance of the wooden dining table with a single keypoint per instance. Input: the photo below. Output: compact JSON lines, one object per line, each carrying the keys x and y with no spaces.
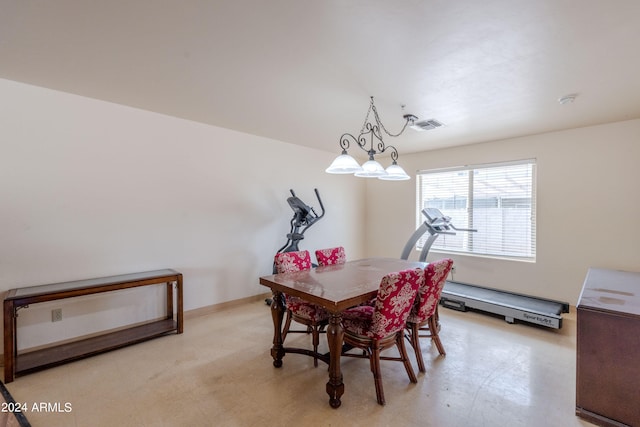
{"x":336,"y":288}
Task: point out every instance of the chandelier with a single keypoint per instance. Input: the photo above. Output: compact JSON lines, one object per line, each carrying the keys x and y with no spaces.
{"x":344,"y":163}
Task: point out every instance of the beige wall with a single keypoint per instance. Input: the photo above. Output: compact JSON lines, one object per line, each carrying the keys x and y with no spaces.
{"x":588,"y":208}
{"x":91,"y":189}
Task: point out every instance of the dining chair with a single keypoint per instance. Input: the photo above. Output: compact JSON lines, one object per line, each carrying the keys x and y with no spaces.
{"x":313,"y":316}
{"x":331,"y":256}
{"x":373,"y":329}
{"x":423,"y":320}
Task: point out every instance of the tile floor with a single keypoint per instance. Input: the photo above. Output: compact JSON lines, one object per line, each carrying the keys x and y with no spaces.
{"x":219,"y":373}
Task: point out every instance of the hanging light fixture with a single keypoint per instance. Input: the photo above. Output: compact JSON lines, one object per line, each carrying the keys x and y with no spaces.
{"x":344,"y":163}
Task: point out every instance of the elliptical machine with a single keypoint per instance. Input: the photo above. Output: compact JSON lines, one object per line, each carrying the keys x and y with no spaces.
{"x":304,"y":216}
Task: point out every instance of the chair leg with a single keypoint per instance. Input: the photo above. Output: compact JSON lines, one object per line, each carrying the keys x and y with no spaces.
{"x":415,"y":343}
{"x":374,"y":359}
{"x":405,"y":357}
{"x":433,"y":326}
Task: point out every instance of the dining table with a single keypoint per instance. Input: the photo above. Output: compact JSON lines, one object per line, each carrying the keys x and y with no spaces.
{"x":336,"y":288}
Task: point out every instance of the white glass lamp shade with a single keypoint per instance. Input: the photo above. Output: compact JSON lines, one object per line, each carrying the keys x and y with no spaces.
{"x":395,"y":173}
{"x":344,"y":163}
{"x":371,"y":169}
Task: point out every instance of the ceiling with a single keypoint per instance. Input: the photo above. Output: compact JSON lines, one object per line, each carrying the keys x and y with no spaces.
{"x":303,"y":71}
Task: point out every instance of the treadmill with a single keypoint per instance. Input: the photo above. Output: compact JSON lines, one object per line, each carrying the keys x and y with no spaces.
{"x":464,"y":296}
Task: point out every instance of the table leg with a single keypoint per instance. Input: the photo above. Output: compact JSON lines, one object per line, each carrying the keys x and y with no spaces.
{"x":180,"y":305}
{"x":335,"y":335}
{"x":170,"y":300}
{"x":9,"y":340}
{"x":277,"y":314}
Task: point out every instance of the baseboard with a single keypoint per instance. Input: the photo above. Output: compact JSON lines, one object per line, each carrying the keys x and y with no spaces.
{"x":202,"y":311}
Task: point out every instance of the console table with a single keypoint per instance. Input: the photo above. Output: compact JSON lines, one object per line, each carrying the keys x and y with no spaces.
{"x":17,"y":364}
{"x":608,"y":349}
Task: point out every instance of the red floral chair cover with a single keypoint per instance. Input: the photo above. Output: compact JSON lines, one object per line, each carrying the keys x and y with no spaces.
{"x":424,"y":315}
{"x":376,"y":328}
{"x":331,"y":256}
{"x":289,"y":262}
{"x":313,"y":316}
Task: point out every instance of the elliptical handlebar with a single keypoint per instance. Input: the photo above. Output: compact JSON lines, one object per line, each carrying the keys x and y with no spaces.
{"x":321,"y":205}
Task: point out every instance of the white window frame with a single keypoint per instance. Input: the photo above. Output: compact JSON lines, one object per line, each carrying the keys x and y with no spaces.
{"x":501,"y":244}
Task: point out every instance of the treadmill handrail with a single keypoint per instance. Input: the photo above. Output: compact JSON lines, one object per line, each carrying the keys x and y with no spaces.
{"x":463,"y":229}
{"x":430,"y":225}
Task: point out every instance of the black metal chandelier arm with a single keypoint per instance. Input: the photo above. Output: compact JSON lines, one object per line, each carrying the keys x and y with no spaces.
{"x":394,"y":152}
{"x":375,"y":131}
{"x":346,"y":139}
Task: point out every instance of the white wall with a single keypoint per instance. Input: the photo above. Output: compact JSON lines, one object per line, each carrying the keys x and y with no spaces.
{"x":92,"y":189}
{"x":89,"y":189}
{"x":588,"y":208}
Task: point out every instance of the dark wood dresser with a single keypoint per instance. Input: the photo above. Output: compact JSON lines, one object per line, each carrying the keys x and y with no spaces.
{"x":608,"y":348}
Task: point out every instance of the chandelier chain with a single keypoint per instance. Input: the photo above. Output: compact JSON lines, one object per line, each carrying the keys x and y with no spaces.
{"x":366,"y":118}
{"x":375,"y":113}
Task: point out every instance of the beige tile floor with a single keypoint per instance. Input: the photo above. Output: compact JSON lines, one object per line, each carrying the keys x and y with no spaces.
{"x":219,"y":373}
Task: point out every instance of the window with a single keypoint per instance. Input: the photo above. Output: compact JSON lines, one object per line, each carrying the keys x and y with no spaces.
{"x":498,"y":200}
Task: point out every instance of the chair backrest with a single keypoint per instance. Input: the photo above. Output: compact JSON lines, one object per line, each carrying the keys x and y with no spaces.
{"x":394,"y":301}
{"x":331,"y":256}
{"x":428,"y":296}
{"x":288,"y":262}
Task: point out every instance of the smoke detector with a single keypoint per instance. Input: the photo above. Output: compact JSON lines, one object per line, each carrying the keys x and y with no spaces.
{"x":422,"y":125}
{"x":568,"y":99}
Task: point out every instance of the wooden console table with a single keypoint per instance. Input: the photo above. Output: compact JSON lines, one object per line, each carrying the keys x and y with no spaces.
{"x":608,"y":349}
{"x":15,"y":364}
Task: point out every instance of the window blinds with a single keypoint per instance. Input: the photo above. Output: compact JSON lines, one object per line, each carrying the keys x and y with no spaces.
{"x":497,"y":199}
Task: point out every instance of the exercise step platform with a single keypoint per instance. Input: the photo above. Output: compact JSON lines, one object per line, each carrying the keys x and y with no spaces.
{"x":462,"y":296}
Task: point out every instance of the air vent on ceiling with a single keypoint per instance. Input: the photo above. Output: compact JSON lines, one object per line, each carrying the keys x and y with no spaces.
{"x":429,"y":124}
